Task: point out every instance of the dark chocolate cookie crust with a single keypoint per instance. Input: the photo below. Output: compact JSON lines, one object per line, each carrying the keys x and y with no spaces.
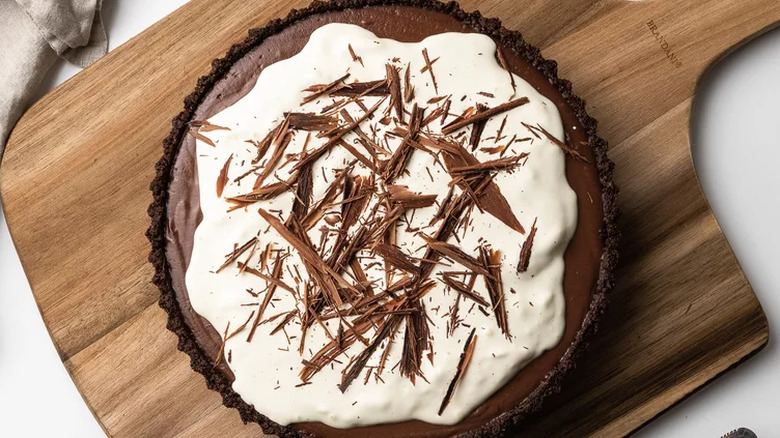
{"x":513,"y":40}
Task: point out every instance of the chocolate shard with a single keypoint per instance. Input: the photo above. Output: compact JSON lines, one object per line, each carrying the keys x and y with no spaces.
{"x":226,"y":337}
{"x":319,"y":209}
{"x":429,"y":68}
{"x":396,"y":258}
{"x":280,"y":142}
{"x":566,"y":148}
{"x":311,"y":121}
{"x":206,"y":126}
{"x":484,"y":115}
{"x":486,"y":193}
{"x":477,"y":128}
{"x":222,"y":180}
{"x":367,"y":142}
{"x":493,"y":149}
{"x":401,"y":195}
{"x":303,"y":191}
{"x":394,"y":84}
{"x":263,"y":145}
{"x":318,"y":91}
{"x":201,"y":137}
{"x":455,"y":253}
{"x":315,"y":154}
{"x":233,"y":256}
{"x":400,"y":158}
{"x":362,"y":158}
{"x":360,"y":89}
{"x":416,"y":335}
{"x":525,"y":251}
{"x":506,"y":163}
{"x":408,"y":88}
{"x":268,"y":191}
{"x":463,"y":364}
{"x":354,"y":56}
{"x":307,"y":253}
{"x":356,"y":366}
{"x":463,"y":289}
{"x":267,"y":278}
{"x":500,"y":130}
{"x":492,"y":262}
{"x":276,"y":275}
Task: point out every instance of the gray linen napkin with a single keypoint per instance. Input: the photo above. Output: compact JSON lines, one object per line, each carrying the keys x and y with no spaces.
{"x":33,"y":33}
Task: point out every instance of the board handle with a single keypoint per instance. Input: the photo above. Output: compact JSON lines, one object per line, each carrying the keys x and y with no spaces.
{"x":634,"y":61}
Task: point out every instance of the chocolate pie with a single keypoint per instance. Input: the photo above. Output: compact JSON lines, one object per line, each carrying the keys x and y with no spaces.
{"x":385,"y":219}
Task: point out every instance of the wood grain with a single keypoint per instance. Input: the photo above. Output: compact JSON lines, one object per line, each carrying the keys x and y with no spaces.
{"x":75,"y":188}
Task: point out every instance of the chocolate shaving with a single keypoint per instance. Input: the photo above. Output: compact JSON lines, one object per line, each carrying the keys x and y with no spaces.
{"x":308,"y":254}
{"x":319,"y":209}
{"x":362,"y":158}
{"x":311,"y":121}
{"x":505,"y":66}
{"x":263,"y":145}
{"x":525,"y":251}
{"x":445,"y":110}
{"x":477,"y":128}
{"x":396,"y":258}
{"x":264,"y":193}
{"x":269,"y":279}
{"x":221,"y":351}
{"x":315,"y":154}
{"x":233,"y":256}
{"x":276,"y":274}
{"x":397,"y":163}
{"x":354,"y":56}
{"x":330,"y":351}
{"x":280,"y":142}
{"x":433,"y":115}
{"x":484,"y":115}
{"x":360,"y":89}
{"x":463,"y":364}
{"x":429,"y":68}
{"x":500,"y":130}
{"x":506,"y":163}
{"x":401,"y":195}
{"x":493,"y":149}
{"x":303,"y":191}
{"x":287,"y":318}
{"x":393,"y":82}
{"x":463,"y":289}
{"x":486,"y":94}
{"x":416,"y":336}
{"x":486,"y":194}
{"x":408,"y":88}
{"x":355,"y":367}
{"x":495,"y":287}
{"x":222,"y":180}
{"x":566,"y":148}
{"x":206,"y":126}
{"x":370,"y":145}
{"x":201,"y":137}
{"x":226,"y":337}
{"x":455,"y":253}
{"x":321,"y":90}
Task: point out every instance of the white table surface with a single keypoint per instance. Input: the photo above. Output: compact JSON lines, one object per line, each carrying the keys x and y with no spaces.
{"x":736,"y":131}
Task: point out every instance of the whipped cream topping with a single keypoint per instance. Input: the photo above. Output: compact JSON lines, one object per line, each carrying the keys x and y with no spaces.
{"x":233,"y":270}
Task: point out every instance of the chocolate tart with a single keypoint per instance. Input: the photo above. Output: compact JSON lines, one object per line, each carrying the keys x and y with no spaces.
{"x":590,"y":257}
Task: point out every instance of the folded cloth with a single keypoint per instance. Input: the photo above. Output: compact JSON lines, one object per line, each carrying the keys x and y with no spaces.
{"x":33,"y":33}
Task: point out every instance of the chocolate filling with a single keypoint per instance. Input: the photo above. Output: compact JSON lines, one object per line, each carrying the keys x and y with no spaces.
{"x":589,"y":258}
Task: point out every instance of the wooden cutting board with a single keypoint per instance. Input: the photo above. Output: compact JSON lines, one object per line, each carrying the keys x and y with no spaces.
{"x":75,"y":182}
